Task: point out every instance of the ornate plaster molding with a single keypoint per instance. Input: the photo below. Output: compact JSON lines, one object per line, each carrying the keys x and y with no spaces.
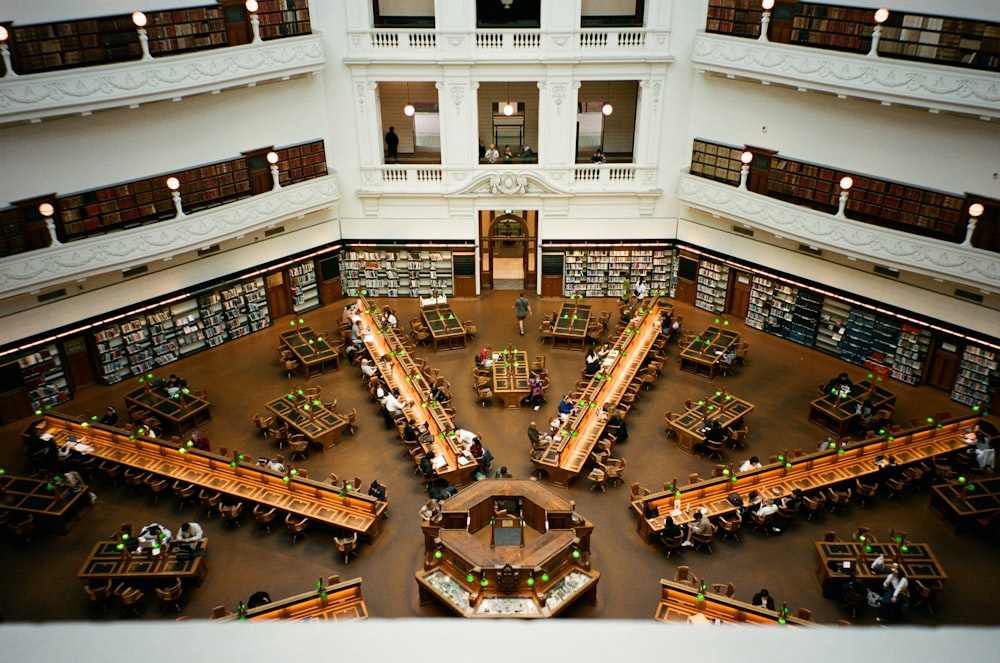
{"x":117,"y":251}
{"x":903,"y":251}
{"x":88,"y":89}
{"x":935,"y":87}
{"x":508,"y":183}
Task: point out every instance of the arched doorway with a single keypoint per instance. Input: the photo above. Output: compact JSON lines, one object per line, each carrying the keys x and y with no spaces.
{"x":507,"y":245}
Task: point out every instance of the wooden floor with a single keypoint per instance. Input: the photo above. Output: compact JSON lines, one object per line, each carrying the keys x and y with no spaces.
{"x":39,"y":578}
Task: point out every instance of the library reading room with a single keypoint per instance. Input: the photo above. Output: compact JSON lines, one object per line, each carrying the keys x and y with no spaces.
{"x":544,"y":319}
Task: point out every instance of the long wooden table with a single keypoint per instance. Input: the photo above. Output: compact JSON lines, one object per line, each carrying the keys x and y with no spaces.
{"x":959,"y":504}
{"x":320,"y":425}
{"x":564,"y":458}
{"x":446,"y":329}
{"x":342,"y":602}
{"x":510,"y":377}
{"x":721,"y":406}
{"x":239,"y":479}
{"x":315,"y":354}
{"x":679,"y":604}
{"x":808,"y":473}
{"x":841,"y":415}
{"x":179,"y":413}
{"x":702,"y":355}
{"x":452,"y":459}
{"x":569,"y":330}
{"x":838,"y":561}
{"x":106,"y":561}
{"x":51,"y":503}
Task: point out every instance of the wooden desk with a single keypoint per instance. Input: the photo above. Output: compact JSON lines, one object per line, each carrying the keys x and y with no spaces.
{"x":840,"y":415}
{"x":703,"y":354}
{"x":321,"y":426}
{"x":958,"y":506}
{"x":679,"y":604}
{"x":510,"y":377}
{"x":315,"y":354}
{"x":343,"y":602}
{"x":51,"y":504}
{"x":179,"y":413}
{"x":106,"y":561}
{"x":564,"y":458}
{"x":240,"y":480}
{"x":455,"y":462}
{"x":808,"y":473}
{"x":918,"y":563}
{"x":446,"y":330}
{"x":569,"y":330}
{"x":721,"y":406}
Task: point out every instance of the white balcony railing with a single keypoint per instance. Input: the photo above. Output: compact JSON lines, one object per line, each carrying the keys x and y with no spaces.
{"x":904,"y":251}
{"x":89,"y":89}
{"x":117,"y":251}
{"x":937,"y":88}
{"x":524,"y":45}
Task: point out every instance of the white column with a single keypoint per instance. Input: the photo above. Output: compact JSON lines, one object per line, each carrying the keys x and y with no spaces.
{"x":557,"y":95}
{"x":368,"y":121}
{"x":458,"y":106}
{"x":649,"y":120}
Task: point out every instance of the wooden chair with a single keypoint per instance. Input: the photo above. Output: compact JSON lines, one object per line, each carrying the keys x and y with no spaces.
{"x":347,"y":546}
{"x":220,"y":611}
{"x":296,"y":526}
{"x":711,"y":449}
{"x":925,"y":593}
{"x":352,"y":419}
{"x":22,"y":529}
{"x":637,"y":491}
{"x":170,"y":597}
{"x":804,"y":613}
{"x":112,"y":471}
{"x":614,"y":470}
{"x":156,"y":485}
{"x":231,"y":513}
{"x":129,"y":598}
{"x":896,"y":487}
{"x":726,"y":589}
{"x":99,"y":595}
{"x":598,"y":478}
{"x":538,"y":364}
{"x":789,"y":514}
{"x":738,"y":437}
{"x":134,"y":480}
{"x":263,"y":424}
{"x":684,"y":576}
{"x":704,"y":541}
{"x":741,"y":353}
{"x":297,"y":447}
{"x":668,"y":423}
{"x":290,"y":367}
{"x":265,"y":516}
{"x":839,"y":499}
{"x":470,"y":329}
{"x":545,"y":332}
{"x":209,"y":501}
{"x":761,"y":523}
{"x":730,"y":528}
{"x":864,"y":491}
{"x":672,"y":545}
{"x":484,"y":395}
{"x":814,"y":504}
{"x":184,"y":492}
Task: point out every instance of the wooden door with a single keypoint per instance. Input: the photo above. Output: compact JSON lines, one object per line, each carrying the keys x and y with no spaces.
{"x":237,"y":21}
{"x":331,"y":290}
{"x":738,"y":299}
{"x":942,"y":366}
{"x":684,"y":291}
{"x":279,"y":299}
{"x":77,"y":363}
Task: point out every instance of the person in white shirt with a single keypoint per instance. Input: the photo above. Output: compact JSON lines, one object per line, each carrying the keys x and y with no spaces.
{"x":767,"y":508}
{"x":390,"y":318}
{"x":751,"y":463}
{"x":701,"y":526}
{"x":393,"y":405}
{"x":154,"y":533}
{"x":895,"y":585}
{"x":466,"y":436}
{"x":190,"y":532}
{"x":369,"y":368}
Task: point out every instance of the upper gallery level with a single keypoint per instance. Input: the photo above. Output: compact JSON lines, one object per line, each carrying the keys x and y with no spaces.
{"x":942,"y":64}
{"x":125,"y":61}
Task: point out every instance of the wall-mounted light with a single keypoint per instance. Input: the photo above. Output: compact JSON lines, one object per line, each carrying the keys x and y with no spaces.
{"x":252,"y":7}
{"x":881,"y":15}
{"x":5,"y":53}
{"x":47,"y":211}
{"x":745,"y":159}
{"x":139,"y":21}
{"x":975,"y":211}
{"x":174,"y":185}
{"x":846,"y":182}
{"x":765,"y":18}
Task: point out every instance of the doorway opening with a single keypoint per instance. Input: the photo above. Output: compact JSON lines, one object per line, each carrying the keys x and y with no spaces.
{"x":507,"y":249}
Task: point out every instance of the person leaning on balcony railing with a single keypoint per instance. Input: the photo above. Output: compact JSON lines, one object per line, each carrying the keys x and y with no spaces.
{"x":492,"y":155}
{"x":598,"y":156}
{"x":528,"y":155}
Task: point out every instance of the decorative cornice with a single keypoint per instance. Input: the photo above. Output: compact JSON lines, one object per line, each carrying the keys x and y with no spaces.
{"x":89,"y":89}
{"x":935,"y":87}
{"x":903,"y":251}
{"x":43,"y":268}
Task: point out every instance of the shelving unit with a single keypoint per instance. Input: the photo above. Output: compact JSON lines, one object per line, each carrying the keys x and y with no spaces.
{"x":805,"y":317}
{"x":838,"y":28}
{"x":716,"y":161}
{"x":911,"y":354}
{"x":210,"y":309}
{"x":779,"y":318}
{"x":941,"y":40}
{"x":256,"y":299}
{"x":885,"y":340}
{"x":858,"y":337}
{"x":397,"y":273}
{"x":188,"y":326}
{"x":305,"y":292}
{"x":713,"y":282}
{"x":138,"y":346}
{"x":761,"y":290}
{"x":921,"y":211}
{"x":739,"y":18}
{"x":977,"y":377}
{"x":163,"y":336}
{"x":602,"y":272}
{"x":214,"y":184}
{"x":183,"y":30}
{"x":283,"y":18}
{"x":234,"y":311}
{"x":82,"y":43}
{"x":12,"y":237}
{"x":803,"y":184}
{"x":302,"y":162}
{"x":832,"y":325}
{"x":43,"y":375}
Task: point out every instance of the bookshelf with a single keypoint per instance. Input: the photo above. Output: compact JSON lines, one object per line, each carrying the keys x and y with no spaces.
{"x":941,"y":40}
{"x":234,"y":311}
{"x":283,"y":18}
{"x":804,"y":184}
{"x":163,"y":336}
{"x":256,"y":299}
{"x":739,"y":18}
{"x":138,"y":344}
{"x":713,"y":282}
{"x":214,"y":184}
{"x":302,"y":162}
{"x":908,"y":208}
{"x":833,"y":318}
{"x":184,"y":30}
{"x":12,"y":237}
{"x":761,"y":290}
{"x":189,"y":328}
{"x":828,"y":26}
{"x":111,"y":355}
{"x":211,"y":314}
{"x":858,"y":337}
{"x":43,"y":375}
{"x":602,"y":272}
{"x":779,"y":317}
{"x":397,"y":273}
{"x":911,"y":354}
{"x":805,"y":317}
{"x":716,"y":161}
{"x":305,"y":291}
{"x":977,"y":377}
{"x":80,"y":43}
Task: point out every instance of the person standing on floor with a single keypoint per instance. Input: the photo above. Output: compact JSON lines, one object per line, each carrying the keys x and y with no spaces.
{"x":392,"y":144}
{"x":523,"y":308}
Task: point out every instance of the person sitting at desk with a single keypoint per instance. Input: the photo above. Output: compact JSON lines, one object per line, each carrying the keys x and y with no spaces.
{"x":200,"y":441}
{"x":430,"y":511}
{"x":110,"y":417}
{"x":409,"y":432}
{"x":751,"y":463}
{"x":502,"y":473}
{"x":762,"y":599}
{"x":468,"y":437}
{"x":867,"y":413}
{"x":566,"y":406}
{"x":615,"y":423}
{"x":440,"y":490}
{"x":390,"y":318}
{"x":154,"y":533}
{"x":277,"y":464}
{"x":439,"y":395}
{"x":377,"y":490}
{"x":537,"y":389}
{"x":895,"y":595}
{"x":701,"y":526}
{"x":728,"y":358}
{"x":174,"y":384}
{"x":426,"y":468}
{"x":840,"y":385}
{"x":641,"y":289}
{"x":670,"y":529}
{"x":347,"y":317}
{"x":190,"y":532}
{"x":369,"y":368}
{"x":767,"y":508}
{"x":393,"y":405}
{"x":592,"y":363}
{"x":714,"y":432}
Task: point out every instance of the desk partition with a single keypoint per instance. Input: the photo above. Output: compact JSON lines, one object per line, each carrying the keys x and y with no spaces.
{"x":681,"y":604}
{"x":338,"y":602}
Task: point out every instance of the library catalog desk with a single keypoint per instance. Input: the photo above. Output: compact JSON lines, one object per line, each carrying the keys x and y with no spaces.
{"x":178,"y":413}
{"x":840,"y":415}
{"x":51,"y":504}
{"x":510,"y":376}
{"x":235,"y":478}
{"x":838,"y":561}
{"x":810,"y":472}
{"x":339,"y":602}
{"x":320,"y":425}
{"x":703,"y":354}
{"x":570,"y":327}
{"x":679,"y":604}
{"x":507,"y":549}
{"x":446,"y":330}
{"x":106,"y":561}
{"x":721,"y":406}
{"x":316,"y":356}
{"x":452,"y":460}
{"x":564,"y":458}
{"x":959,"y":504}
